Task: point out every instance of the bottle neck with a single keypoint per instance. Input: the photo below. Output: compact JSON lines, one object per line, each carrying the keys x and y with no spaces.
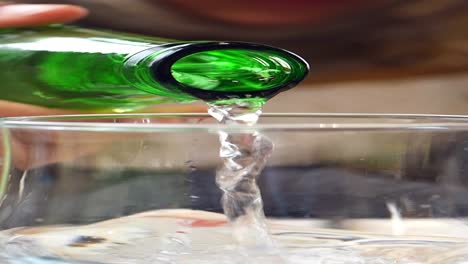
{"x":137,"y":69}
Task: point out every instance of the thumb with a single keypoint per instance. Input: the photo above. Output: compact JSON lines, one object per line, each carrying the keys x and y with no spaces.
{"x":23,"y":15}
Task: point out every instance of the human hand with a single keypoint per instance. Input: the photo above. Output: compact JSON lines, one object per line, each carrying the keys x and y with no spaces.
{"x":24,"y":15}
{"x":27,"y":15}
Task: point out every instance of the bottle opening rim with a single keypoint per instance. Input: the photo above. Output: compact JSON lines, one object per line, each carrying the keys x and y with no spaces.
{"x":163,"y":65}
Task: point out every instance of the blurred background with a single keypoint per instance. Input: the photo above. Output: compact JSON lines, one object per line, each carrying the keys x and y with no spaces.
{"x":384,"y":56}
{"x":366,"y":56}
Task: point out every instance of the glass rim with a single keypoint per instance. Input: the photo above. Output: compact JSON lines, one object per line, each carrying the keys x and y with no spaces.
{"x":323,"y":122}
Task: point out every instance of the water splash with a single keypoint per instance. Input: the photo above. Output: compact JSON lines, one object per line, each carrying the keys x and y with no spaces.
{"x":398,"y":227}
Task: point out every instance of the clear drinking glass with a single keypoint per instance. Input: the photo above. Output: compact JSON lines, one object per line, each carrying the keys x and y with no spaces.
{"x":338,"y":188}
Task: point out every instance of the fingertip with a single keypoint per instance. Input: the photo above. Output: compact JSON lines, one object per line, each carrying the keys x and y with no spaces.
{"x":68,"y":13}
{"x":20,"y":15}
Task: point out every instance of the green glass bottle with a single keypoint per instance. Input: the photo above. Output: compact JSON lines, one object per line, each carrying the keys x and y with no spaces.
{"x":69,"y":67}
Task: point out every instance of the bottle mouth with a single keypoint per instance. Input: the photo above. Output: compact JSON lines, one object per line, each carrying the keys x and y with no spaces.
{"x":228,"y":70}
